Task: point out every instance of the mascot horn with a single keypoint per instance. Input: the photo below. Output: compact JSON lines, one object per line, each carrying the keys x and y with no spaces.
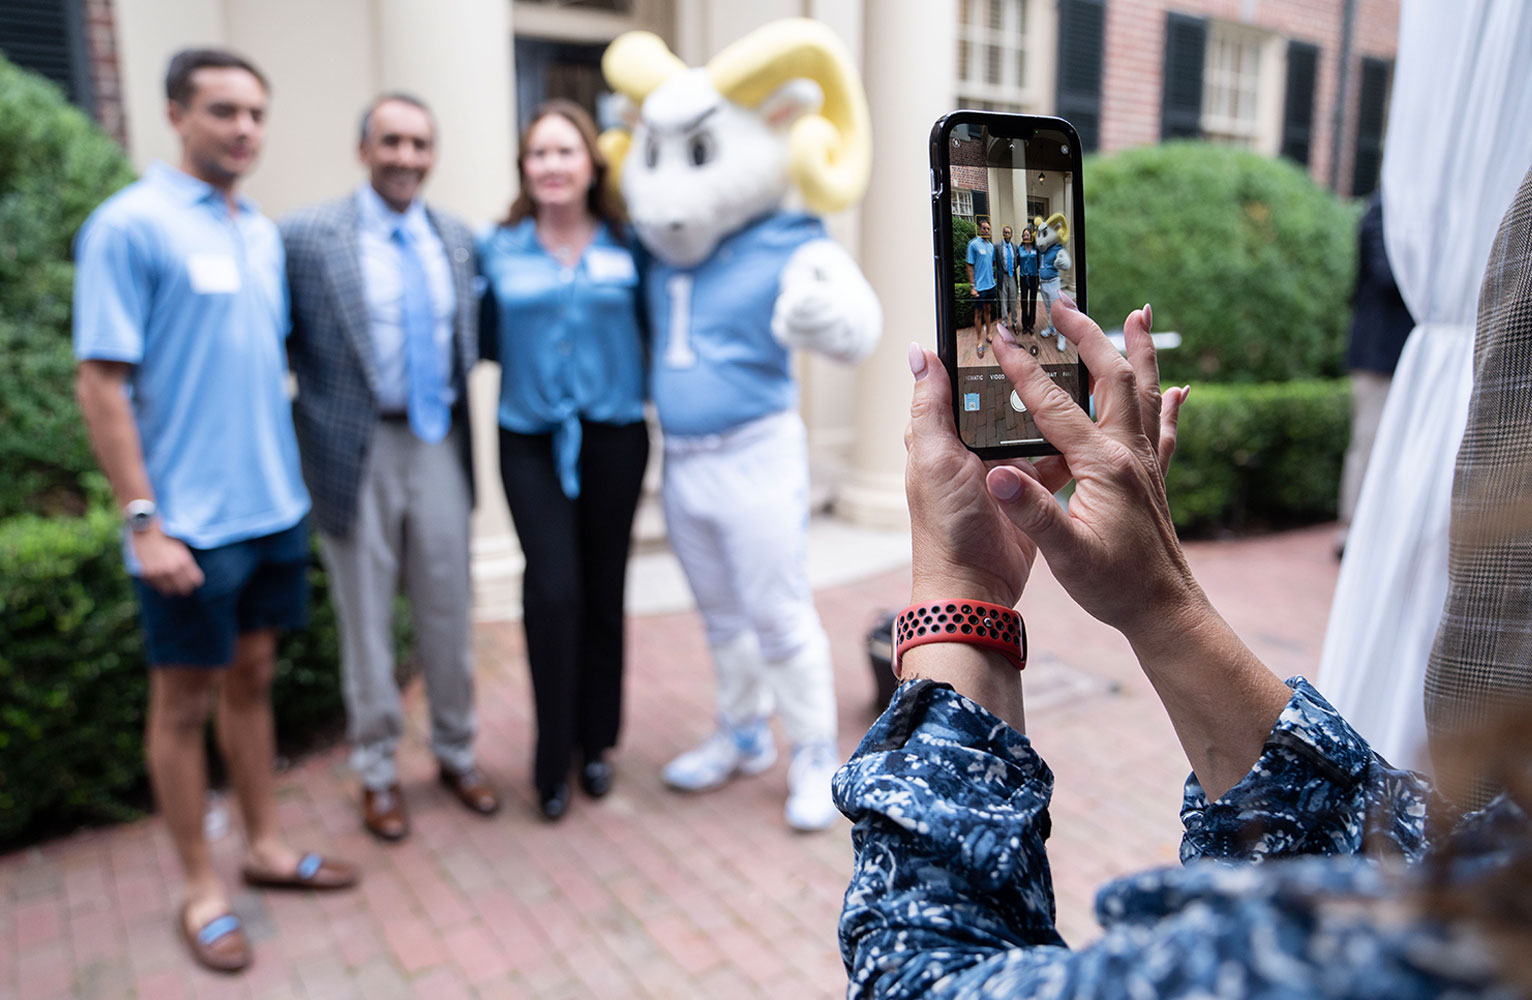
{"x":735,"y":282}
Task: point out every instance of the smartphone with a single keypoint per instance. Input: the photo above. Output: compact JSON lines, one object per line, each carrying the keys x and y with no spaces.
{"x":1008,"y":222}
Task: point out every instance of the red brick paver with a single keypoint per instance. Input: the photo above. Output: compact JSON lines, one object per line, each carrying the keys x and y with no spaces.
{"x":645,"y":893}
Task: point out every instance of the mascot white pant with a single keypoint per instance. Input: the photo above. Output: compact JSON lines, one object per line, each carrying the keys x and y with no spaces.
{"x":736,"y":507}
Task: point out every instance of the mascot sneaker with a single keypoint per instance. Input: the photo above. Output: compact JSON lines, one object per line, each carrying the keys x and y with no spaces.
{"x":809,"y":803}
{"x":730,"y":751}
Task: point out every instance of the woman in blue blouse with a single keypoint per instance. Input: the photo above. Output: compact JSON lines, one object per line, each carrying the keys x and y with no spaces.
{"x":561,"y":315}
{"x":951,"y":894}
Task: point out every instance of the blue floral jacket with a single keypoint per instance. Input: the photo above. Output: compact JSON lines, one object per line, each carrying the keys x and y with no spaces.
{"x":951,"y":894}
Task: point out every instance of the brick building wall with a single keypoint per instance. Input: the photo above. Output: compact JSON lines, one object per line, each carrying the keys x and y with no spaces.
{"x":101,"y":37}
{"x":1133,"y":68}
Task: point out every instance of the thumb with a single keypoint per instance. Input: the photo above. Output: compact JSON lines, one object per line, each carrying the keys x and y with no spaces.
{"x":931,"y":405}
{"x":1029,"y":506}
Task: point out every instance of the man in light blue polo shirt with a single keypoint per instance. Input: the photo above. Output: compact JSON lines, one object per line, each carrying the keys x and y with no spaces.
{"x":981,"y":282}
{"x":180,"y":312}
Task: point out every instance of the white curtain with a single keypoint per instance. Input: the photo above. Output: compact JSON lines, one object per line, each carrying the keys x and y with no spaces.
{"x":1459,"y":142}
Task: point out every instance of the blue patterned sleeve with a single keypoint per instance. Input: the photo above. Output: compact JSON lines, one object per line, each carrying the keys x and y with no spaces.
{"x":951,"y":813}
{"x":1318,"y":788}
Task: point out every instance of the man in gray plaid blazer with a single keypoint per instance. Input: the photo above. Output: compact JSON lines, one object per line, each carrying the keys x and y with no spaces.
{"x":1481,"y":664}
{"x":384,"y":334}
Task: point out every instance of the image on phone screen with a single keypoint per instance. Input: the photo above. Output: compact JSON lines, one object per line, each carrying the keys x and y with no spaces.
{"x":1018,"y":198}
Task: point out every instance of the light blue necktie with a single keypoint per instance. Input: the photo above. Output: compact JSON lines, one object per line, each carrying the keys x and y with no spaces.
{"x":427,"y":383}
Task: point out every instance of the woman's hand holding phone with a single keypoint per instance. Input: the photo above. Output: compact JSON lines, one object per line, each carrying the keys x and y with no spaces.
{"x":977,"y":525}
{"x":1114,"y":549}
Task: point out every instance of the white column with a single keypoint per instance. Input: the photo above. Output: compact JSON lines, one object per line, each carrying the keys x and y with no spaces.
{"x":909,"y":60}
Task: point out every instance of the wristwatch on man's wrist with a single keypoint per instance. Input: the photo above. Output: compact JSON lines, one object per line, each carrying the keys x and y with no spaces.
{"x":139,"y":514}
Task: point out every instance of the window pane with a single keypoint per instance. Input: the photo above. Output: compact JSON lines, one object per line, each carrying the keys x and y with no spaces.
{"x":963,"y":57}
{"x":965,"y":12}
{"x":996,"y":14}
{"x":992,"y":64}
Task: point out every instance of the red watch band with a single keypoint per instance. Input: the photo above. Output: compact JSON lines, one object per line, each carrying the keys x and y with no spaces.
{"x":989,"y":626}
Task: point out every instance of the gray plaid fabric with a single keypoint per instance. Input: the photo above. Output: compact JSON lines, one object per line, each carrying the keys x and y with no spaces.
{"x":330,"y":349}
{"x":1482,"y":659}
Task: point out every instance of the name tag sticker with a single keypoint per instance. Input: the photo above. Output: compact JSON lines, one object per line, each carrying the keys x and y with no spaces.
{"x":213,"y":273}
{"x":606,"y":264}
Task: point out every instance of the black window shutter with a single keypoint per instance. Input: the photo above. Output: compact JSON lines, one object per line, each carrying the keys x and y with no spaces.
{"x":1298,"y":109}
{"x":1185,"y":44}
{"x":1369,"y":127}
{"x":1082,"y":33}
{"x":48,"y":38}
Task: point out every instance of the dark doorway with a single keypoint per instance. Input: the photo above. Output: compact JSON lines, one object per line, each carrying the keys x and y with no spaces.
{"x":546,"y":69}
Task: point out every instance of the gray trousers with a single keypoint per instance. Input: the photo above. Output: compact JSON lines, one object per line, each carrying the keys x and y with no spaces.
{"x":1369,"y":391}
{"x":412,"y":528}
{"x":1008,"y":299}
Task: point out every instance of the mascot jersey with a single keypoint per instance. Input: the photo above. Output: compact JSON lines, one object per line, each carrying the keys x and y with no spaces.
{"x":1050,"y":270}
{"x":716,"y":364}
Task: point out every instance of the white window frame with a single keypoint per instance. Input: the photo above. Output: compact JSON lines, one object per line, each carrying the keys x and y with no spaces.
{"x":1242,"y":87}
{"x":1026,"y":63}
{"x":962,"y":203}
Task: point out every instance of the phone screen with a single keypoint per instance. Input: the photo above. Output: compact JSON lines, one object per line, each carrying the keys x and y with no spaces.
{"x":1017,"y":239}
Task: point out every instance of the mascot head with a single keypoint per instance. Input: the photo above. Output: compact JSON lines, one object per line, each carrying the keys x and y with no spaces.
{"x":1054,"y":230}
{"x":708,"y":150}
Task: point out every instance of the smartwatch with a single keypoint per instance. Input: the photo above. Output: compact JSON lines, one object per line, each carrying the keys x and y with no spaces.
{"x":139,"y":515}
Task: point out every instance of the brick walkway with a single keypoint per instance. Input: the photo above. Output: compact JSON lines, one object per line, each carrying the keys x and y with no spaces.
{"x":645,"y":893}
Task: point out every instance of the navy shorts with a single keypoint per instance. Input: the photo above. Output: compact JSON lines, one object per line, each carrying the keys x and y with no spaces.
{"x":255,"y":584}
{"x":986,"y":296}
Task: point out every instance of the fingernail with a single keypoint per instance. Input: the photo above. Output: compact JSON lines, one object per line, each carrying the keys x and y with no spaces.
{"x":917,"y":361}
{"x":1186,"y":390}
{"x":1069,"y":302}
{"x":1004,"y":484}
{"x":1148,"y":317}
{"x":1007,"y":336}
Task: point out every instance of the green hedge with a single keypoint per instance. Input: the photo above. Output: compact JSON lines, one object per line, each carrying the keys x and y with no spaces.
{"x":1259,"y":456}
{"x":74,"y":688}
{"x":55,"y":167}
{"x":1244,"y":255}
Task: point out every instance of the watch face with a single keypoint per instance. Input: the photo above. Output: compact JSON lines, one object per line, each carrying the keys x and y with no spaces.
{"x":140,"y":514}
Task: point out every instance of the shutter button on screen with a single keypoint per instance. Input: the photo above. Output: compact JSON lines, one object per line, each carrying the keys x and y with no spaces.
{"x":1016,"y":403}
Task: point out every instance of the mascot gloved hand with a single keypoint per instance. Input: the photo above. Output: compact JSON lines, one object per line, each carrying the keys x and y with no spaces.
{"x":1052,"y":238}
{"x":736,"y":282}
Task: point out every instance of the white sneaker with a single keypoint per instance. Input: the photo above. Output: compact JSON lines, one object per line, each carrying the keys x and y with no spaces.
{"x":809,"y":803}
{"x":730,"y":751}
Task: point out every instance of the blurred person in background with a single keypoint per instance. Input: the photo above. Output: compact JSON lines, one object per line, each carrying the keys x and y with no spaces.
{"x":180,"y":312}
{"x":561,"y":316}
{"x":384,"y":336}
{"x":1380,"y":324}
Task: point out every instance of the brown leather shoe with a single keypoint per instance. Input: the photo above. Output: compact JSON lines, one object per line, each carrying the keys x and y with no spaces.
{"x":383,"y":813}
{"x":472,"y":789}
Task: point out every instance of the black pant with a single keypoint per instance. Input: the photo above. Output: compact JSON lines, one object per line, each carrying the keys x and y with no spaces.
{"x":1027,"y":290}
{"x":572,"y":588}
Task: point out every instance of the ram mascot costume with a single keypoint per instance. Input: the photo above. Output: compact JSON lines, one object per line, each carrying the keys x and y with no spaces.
{"x":735,"y":282}
{"x":1053,"y":260}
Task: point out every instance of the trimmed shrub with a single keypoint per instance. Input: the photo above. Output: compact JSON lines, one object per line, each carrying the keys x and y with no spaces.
{"x":74,"y":687}
{"x":962,"y":304}
{"x":963,"y":232}
{"x":55,"y":167}
{"x":1245,"y":256}
{"x":1259,"y":456}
